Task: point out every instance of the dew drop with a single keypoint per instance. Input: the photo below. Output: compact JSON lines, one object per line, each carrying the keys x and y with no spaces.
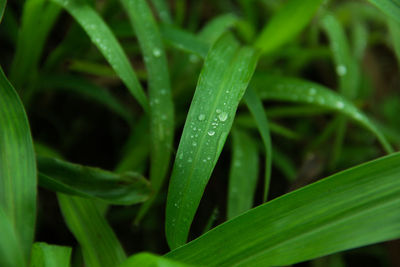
{"x":190,"y":160}
{"x":156,"y":52}
{"x":341,"y":70}
{"x":194,"y":144}
{"x":339,"y":104}
{"x":211,"y":133}
{"x":312,"y":91}
{"x":201,"y":117}
{"x":223,"y":116}
{"x":218,"y":111}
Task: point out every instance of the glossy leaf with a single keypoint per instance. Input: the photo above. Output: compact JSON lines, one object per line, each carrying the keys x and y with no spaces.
{"x":346,"y":210}
{"x":226,"y":73}
{"x":17,"y":167}
{"x":45,"y":255}
{"x":104,"y":39}
{"x":61,"y":176}
{"x":301,"y":91}
{"x":286,"y":24}
{"x":100,"y":246}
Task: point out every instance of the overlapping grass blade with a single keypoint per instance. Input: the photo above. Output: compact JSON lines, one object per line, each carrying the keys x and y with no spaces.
{"x":162,"y":10}
{"x":145,"y":259}
{"x":38,"y":19}
{"x":389,"y":7}
{"x":100,"y":246}
{"x":45,"y":255}
{"x":104,"y":39}
{"x":161,"y":106}
{"x":226,"y":73}
{"x":83,"y":87}
{"x":243,"y":174}
{"x":11,"y":253}
{"x":61,"y":176}
{"x":3,"y":4}
{"x":216,"y":27}
{"x":17,"y":167}
{"x":257,"y":110}
{"x":286,"y":24}
{"x":344,"y":211}
{"x":301,"y":91}
{"x":394,"y":30}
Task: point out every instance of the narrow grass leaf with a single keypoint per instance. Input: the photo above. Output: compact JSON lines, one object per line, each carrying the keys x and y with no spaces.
{"x":286,"y":24}
{"x":226,"y":73}
{"x":349,"y":209}
{"x":394,"y":30}
{"x":389,"y":7}
{"x":243,"y":174}
{"x":17,"y":167}
{"x":61,"y":176}
{"x":257,"y":110}
{"x":216,"y":27}
{"x":100,"y":246}
{"x":162,"y":9}
{"x":161,"y":106}
{"x":45,"y":255}
{"x":146,"y":259}
{"x":301,"y":91}
{"x":104,"y":39}
{"x":3,"y":4}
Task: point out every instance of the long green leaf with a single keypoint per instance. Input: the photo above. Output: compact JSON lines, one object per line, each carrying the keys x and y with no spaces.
{"x":99,"y":244}
{"x":3,"y":4}
{"x":301,"y":91}
{"x":243,"y":174}
{"x":45,"y":255}
{"x":394,"y":30}
{"x":226,"y":73}
{"x":352,"y":208}
{"x":286,"y":24}
{"x":216,"y":27}
{"x":162,"y":10}
{"x":161,"y":106}
{"x":104,"y":39}
{"x":145,"y":259}
{"x":257,"y":110}
{"x":17,"y":166}
{"x":389,"y":7}
{"x":61,"y":176}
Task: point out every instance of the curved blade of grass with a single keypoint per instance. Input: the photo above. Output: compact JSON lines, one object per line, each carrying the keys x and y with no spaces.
{"x":301,"y":91}
{"x":350,"y":209}
{"x":100,"y":246}
{"x":216,"y":27}
{"x":3,"y":4}
{"x":226,"y":73}
{"x":161,"y":106}
{"x":17,"y":166}
{"x":104,"y":39}
{"x":86,"y":89}
{"x":184,"y":40}
{"x":286,"y":24}
{"x":243,"y":174}
{"x":61,"y":176}
{"x":11,"y":253}
{"x":162,"y":10}
{"x":389,"y":7}
{"x":45,"y":255}
{"x":146,"y":259}
{"x":257,"y":110}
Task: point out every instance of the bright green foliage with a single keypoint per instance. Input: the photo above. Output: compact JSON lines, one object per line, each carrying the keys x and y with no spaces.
{"x":297,"y":226}
{"x":44,"y":255}
{"x":226,"y":73}
{"x":104,"y":39}
{"x":17,"y":171}
{"x":243,"y":174}
{"x":150,"y":260}
{"x":100,"y":246}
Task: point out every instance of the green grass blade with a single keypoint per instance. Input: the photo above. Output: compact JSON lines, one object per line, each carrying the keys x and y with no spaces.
{"x":85,"y":88}
{"x":350,"y":209}
{"x":162,"y":9}
{"x":286,"y":24}
{"x":243,"y":174}
{"x":184,"y":40}
{"x":61,"y":176}
{"x":226,"y":73}
{"x":161,"y":106}
{"x":301,"y":91}
{"x":145,"y":259}
{"x":394,"y":30}
{"x":11,"y":253}
{"x":17,"y":166}
{"x":216,"y":27}
{"x":257,"y":110}
{"x":104,"y":39}
{"x":45,"y":255}
{"x":3,"y":4}
{"x":389,"y":7}
{"x":100,"y":246}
